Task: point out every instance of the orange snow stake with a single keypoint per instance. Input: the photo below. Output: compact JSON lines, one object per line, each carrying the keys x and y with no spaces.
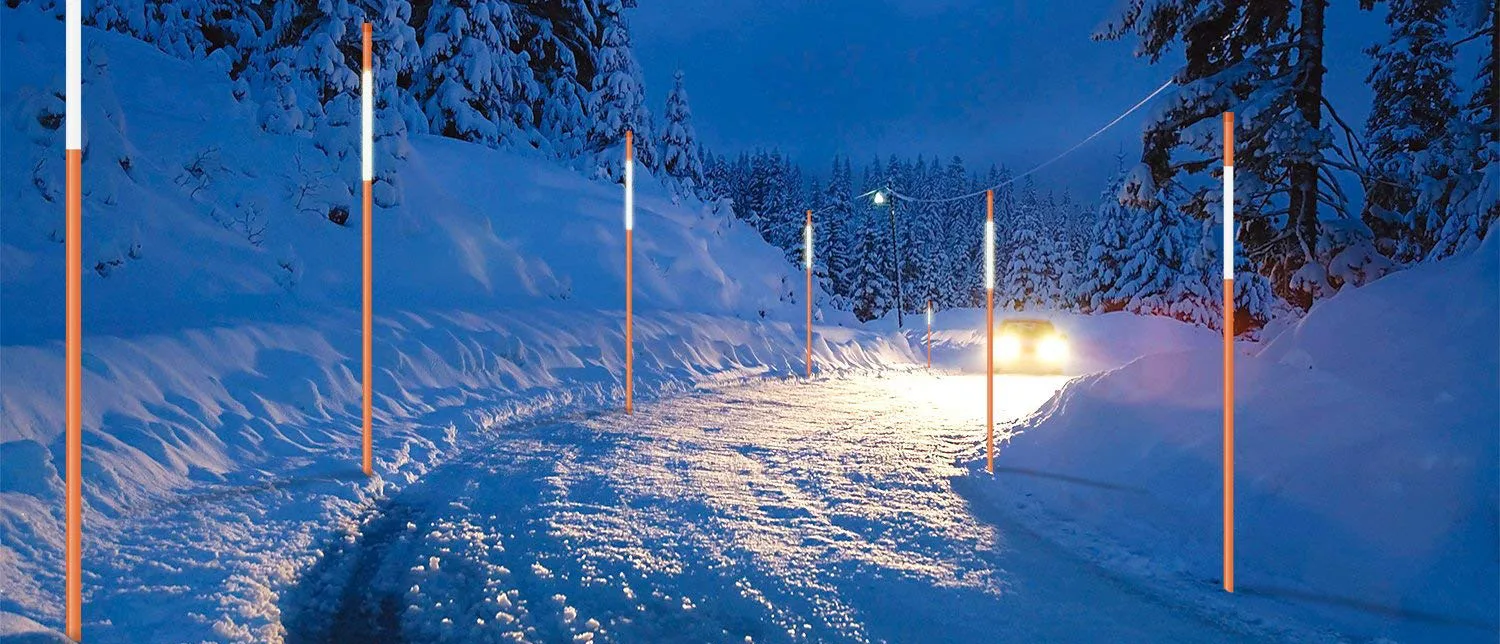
{"x":73,"y":274}
{"x":629,"y":269}
{"x":807,"y":260}
{"x":989,"y":330}
{"x":929,"y":335}
{"x":1228,"y":256}
{"x":367,"y":145}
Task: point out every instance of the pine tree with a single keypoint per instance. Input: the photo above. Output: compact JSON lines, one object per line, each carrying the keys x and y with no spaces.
{"x":479,"y":86}
{"x":679,"y":141}
{"x":618,"y":100}
{"x":1263,"y":61}
{"x":1107,"y":255}
{"x":1017,"y":276}
{"x":1412,"y":79}
{"x":1470,"y":197}
{"x":873,"y":293}
{"x":832,"y":228}
{"x":561,"y":123}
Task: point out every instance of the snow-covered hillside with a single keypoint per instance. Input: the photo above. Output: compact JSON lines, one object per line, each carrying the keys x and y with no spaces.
{"x":221,"y":327}
{"x":1366,"y":461}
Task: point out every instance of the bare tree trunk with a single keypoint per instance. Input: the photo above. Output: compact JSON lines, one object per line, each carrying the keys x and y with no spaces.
{"x":1309,"y":102}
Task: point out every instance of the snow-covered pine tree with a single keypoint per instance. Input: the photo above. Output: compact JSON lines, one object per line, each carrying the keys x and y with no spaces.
{"x":679,"y":141}
{"x":397,"y":113}
{"x":478,"y":85}
{"x":1263,"y":61}
{"x":560,"y":121}
{"x":1160,"y":274}
{"x":1019,"y":279}
{"x":617,"y":101}
{"x":324,"y":43}
{"x":1108,"y":253}
{"x":831,"y":227}
{"x":954,"y":277}
{"x":1411,"y":77}
{"x":873,"y":293}
{"x":1470,"y":198}
{"x":916,"y":224}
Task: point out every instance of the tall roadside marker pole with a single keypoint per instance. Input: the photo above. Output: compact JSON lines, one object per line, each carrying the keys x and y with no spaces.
{"x":1228,"y":256}
{"x":629,"y":268}
{"x":807,"y":261}
{"x":929,"y":335}
{"x":367,"y":152}
{"x":73,"y":258}
{"x":989,"y":330}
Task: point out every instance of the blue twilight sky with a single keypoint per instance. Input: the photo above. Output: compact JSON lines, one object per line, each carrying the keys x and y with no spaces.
{"x":990,"y":80}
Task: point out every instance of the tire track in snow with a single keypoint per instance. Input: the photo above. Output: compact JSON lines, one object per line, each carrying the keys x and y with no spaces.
{"x":775,"y":511}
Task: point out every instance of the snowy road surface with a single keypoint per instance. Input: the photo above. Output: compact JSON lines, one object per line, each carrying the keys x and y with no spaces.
{"x":773,"y":511}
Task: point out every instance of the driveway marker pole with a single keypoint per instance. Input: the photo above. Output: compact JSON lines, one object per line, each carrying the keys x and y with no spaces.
{"x":73,"y":273}
{"x":929,"y":335}
{"x":1228,"y":256}
{"x":367,"y":152}
{"x":989,"y":329}
{"x":629,"y":271}
{"x":807,"y":261}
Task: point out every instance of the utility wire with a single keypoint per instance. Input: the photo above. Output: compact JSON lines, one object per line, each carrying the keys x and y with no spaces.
{"x":1044,"y":164}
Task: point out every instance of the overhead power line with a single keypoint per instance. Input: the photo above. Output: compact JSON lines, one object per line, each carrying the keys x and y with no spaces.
{"x":1044,"y":164}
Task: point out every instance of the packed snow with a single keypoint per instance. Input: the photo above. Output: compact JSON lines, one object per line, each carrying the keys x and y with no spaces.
{"x":511,"y":497}
{"x":1366,"y":461}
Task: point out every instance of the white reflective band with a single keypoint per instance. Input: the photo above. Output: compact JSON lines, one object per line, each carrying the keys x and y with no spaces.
{"x":807,"y":249}
{"x":1228,"y":222}
{"x":74,"y":90}
{"x":989,"y":254}
{"x":629,"y":194}
{"x":367,"y":116}
{"x":929,"y":315}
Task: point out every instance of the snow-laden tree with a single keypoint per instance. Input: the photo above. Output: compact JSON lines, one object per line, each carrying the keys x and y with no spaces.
{"x":953,"y":276}
{"x":478,"y":85}
{"x":561,"y":121}
{"x":618,"y":100}
{"x":1160,"y":273}
{"x":1107,"y":255}
{"x":832,"y":228}
{"x":1021,"y":278}
{"x":1411,"y":77}
{"x":679,"y":141}
{"x":1470,"y":197}
{"x":872,"y":291}
{"x":1264,"y":61}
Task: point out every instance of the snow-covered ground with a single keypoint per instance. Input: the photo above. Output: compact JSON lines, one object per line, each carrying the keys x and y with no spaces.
{"x":221,"y":351}
{"x":221,"y":418}
{"x":1366,"y":462}
{"x":769,"y":512}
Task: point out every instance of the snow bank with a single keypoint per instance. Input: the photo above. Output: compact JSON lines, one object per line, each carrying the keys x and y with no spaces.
{"x":1366,"y":461}
{"x":221,"y":395}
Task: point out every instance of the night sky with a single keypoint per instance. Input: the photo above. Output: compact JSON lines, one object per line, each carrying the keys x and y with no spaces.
{"x":989,"y":80}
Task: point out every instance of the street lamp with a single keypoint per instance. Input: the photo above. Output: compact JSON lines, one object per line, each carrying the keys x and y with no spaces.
{"x":882,"y":199}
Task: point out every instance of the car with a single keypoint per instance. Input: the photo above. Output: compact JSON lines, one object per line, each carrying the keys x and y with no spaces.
{"x":1030,"y":346}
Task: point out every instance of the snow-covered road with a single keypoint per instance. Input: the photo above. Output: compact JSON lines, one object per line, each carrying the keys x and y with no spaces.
{"x":769,"y":511}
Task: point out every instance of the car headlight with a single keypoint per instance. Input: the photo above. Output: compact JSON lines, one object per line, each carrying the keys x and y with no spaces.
{"x":1052,"y":349}
{"x":1008,"y":348}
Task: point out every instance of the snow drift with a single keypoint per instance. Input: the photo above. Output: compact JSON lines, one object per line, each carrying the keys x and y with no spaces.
{"x":1366,"y":460}
{"x":221,"y":329}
